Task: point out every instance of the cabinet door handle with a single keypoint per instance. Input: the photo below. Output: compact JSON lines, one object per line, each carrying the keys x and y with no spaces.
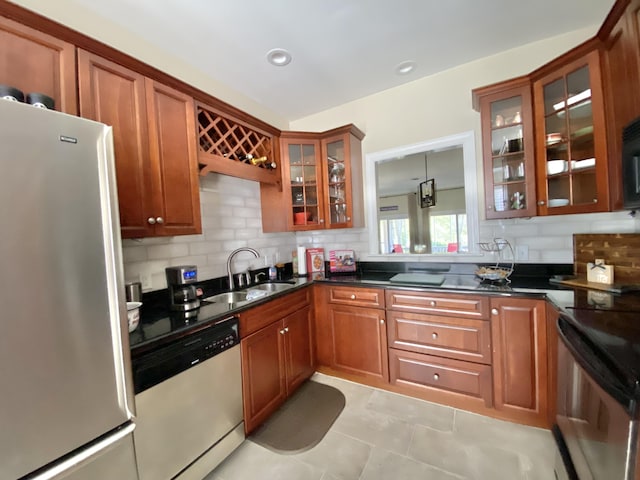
{"x":432,"y":303}
{"x":353,"y":297}
{"x":436,"y":376}
{"x":321,"y":220}
{"x":494,"y":311}
{"x":434,"y":335}
{"x":282,"y":332}
{"x":349,"y":218}
{"x":382,"y":321}
{"x":541,"y":202}
{"x":160,"y":220}
{"x":151,"y":221}
{"x":286,"y":329}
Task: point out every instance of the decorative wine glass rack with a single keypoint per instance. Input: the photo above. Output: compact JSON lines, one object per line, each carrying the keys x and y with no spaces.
{"x":224,"y":141}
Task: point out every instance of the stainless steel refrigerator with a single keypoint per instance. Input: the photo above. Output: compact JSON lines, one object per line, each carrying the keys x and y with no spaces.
{"x":66,"y":401}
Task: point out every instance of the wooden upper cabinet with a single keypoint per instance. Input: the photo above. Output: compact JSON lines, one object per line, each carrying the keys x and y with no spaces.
{"x":321,"y":182}
{"x":172,"y":142}
{"x":33,"y":61}
{"x":508,"y":148}
{"x":520,"y":370}
{"x":621,"y":77}
{"x":571,"y":139}
{"x":155,"y":149}
{"x":114,"y":95}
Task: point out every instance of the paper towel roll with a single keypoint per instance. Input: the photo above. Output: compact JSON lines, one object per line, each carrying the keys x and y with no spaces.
{"x":302,"y":261}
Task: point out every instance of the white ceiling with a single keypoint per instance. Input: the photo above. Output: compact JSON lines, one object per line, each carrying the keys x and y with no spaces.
{"x":342,"y":49}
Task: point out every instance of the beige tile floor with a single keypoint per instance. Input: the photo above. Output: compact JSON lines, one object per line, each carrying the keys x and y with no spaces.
{"x":381,"y":435}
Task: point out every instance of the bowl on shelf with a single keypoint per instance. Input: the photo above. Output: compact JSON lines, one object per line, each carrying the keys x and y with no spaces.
{"x":558,"y":202}
{"x":556,"y":166}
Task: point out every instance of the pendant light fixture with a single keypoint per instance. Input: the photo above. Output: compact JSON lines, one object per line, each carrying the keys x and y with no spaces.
{"x":427,"y":189}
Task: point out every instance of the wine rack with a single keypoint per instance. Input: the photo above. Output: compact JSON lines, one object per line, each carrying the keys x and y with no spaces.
{"x":227,"y":145}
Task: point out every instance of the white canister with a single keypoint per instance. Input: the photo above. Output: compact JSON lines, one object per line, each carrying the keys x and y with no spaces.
{"x":302,"y":261}
{"x":133,"y":315}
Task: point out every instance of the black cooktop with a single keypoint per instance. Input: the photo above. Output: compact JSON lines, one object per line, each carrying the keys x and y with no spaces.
{"x":616,"y":333}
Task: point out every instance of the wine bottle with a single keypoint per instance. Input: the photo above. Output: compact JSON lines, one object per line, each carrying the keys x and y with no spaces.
{"x":264,"y":160}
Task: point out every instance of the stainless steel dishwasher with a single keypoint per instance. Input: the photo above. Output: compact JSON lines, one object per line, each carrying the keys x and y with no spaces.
{"x":189,"y":404}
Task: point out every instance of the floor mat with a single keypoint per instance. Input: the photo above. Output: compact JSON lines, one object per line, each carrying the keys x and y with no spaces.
{"x":302,"y":421}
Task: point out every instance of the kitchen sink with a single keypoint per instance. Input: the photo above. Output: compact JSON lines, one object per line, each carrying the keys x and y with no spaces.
{"x":250,"y":294}
{"x":272,"y":287}
{"x":228,"y":297}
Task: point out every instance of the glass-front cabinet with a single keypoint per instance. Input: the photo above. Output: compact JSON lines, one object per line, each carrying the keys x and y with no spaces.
{"x":571,"y":144}
{"x":507,"y":139}
{"x":337,"y":195}
{"x":322,"y":179}
{"x":301,"y":171}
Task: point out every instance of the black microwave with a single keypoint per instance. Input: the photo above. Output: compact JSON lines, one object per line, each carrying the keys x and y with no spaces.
{"x":631,"y":165}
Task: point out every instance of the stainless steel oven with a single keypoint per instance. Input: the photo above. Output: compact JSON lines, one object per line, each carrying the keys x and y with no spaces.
{"x":596,"y":425}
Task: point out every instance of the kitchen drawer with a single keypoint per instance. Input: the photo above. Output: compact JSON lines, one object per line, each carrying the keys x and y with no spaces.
{"x":465,"y":306}
{"x":459,"y":338}
{"x":427,"y":372}
{"x":357,"y":297}
{"x":255,"y":318}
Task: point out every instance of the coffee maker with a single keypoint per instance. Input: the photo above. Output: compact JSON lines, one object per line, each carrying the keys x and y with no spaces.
{"x":182,"y":289}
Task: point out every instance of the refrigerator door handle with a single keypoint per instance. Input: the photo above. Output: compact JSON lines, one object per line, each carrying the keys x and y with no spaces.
{"x":85,"y":454}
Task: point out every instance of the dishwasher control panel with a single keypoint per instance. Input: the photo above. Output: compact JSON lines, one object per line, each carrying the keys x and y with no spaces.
{"x":155,"y":366}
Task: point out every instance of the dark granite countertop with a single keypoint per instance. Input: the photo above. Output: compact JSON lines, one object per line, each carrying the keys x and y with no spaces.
{"x":159,"y":325}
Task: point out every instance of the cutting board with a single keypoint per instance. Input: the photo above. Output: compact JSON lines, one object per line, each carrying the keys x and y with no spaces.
{"x":583,"y":283}
{"x":418,"y":278}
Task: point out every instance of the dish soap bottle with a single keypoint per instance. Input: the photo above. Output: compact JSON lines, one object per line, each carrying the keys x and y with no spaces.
{"x":273,"y":272}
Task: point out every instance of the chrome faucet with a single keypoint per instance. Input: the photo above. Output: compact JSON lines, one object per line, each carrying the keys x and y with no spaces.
{"x":233,"y":254}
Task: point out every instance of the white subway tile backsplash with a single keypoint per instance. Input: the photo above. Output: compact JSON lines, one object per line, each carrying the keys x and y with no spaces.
{"x":156,"y":252}
{"x":231,"y":218}
{"x":246,"y":212}
{"x":219,"y":234}
{"x":557,"y":256}
{"x":204,"y":248}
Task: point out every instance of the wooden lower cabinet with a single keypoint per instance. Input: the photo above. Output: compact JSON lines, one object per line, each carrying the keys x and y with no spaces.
{"x":352,"y":339}
{"x":457,"y":338}
{"x":440,"y":347}
{"x":430,"y":374}
{"x":520,"y":364}
{"x":275,"y":361}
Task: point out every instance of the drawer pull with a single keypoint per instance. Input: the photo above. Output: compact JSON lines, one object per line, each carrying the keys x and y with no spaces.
{"x":432,"y":303}
{"x":494,"y":311}
{"x":436,"y":376}
{"x":434,"y":335}
{"x":353,"y":297}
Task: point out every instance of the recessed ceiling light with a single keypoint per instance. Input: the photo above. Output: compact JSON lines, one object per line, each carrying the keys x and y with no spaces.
{"x":405,"y":68}
{"x":278,"y":57}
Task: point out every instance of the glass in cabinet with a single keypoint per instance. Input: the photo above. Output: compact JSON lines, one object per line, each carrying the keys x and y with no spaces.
{"x":571,"y":148}
{"x":507,"y":137}
{"x":302,"y":170}
{"x":335,"y":176}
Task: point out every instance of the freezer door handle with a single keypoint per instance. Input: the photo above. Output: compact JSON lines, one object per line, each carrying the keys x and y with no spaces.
{"x":85,"y":454}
